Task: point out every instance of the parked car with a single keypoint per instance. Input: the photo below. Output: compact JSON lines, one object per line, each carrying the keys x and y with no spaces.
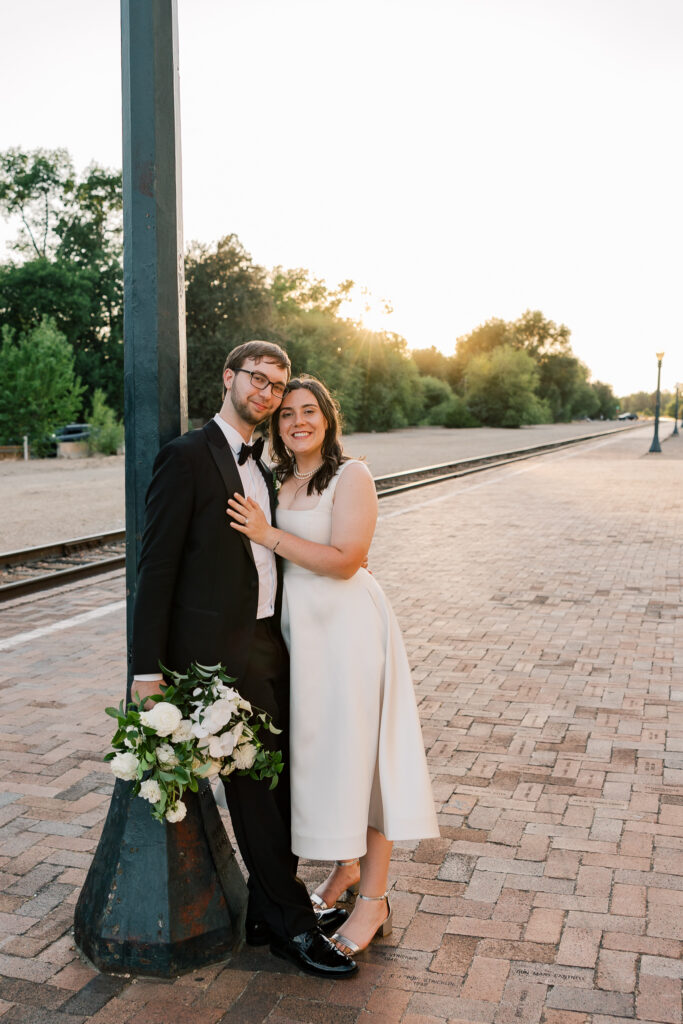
{"x":71,"y":432}
{"x":628,"y":416}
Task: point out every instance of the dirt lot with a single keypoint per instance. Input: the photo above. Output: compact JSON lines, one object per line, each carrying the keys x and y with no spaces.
{"x":47,"y":500}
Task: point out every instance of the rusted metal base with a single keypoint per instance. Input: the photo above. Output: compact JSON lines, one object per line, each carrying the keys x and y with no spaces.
{"x":161,"y":899}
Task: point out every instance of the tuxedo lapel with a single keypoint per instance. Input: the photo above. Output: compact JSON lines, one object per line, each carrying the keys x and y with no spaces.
{"x":272,"y":495}
{"x":225,"y":463}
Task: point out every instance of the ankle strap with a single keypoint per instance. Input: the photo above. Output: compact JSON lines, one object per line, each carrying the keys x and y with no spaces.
{"x":346,"y":863}
{"x":373,"y":898}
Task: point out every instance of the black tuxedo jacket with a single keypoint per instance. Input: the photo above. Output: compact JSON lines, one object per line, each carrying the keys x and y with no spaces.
{"x":197,"y":588}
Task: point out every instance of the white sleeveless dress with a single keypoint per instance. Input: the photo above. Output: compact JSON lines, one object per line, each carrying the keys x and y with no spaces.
{"x":356,"y":751}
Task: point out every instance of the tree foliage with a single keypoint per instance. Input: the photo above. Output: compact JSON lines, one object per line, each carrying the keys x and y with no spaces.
{"x":39,"y":388}
{"x":68,"y":259}
{"x":106,"y":432}
{"x":501,"y":389}
{"x":66,"y":264}
{"x":227,"y":303}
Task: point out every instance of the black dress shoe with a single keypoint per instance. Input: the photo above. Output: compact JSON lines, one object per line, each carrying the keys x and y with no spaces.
{"x":329,"y":920}
{"x":257,"y":933}
{"x":313,"y":953}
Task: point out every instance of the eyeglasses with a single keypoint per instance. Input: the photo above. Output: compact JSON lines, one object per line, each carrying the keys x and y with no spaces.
{"x":261,"y":382}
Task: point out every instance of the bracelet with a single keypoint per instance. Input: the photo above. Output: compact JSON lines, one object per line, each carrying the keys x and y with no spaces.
{"x":274,"y":549}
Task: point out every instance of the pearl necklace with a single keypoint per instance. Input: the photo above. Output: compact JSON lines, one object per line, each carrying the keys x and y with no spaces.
{"x":305,"y":476}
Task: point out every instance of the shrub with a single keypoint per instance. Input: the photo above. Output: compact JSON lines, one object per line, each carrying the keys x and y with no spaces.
{"x":106,"y":432}
{"x":452,"y":413}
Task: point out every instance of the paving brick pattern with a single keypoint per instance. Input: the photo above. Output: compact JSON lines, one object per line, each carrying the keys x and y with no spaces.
{"x":540,"y":605}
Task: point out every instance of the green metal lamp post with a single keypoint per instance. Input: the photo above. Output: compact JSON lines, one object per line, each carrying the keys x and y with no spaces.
{"x":675,"y":430}
{"x":655,"y":446}
{"x":159,"y":899}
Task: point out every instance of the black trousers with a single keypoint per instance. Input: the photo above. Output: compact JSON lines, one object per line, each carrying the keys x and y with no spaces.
{"x":261,"y":817}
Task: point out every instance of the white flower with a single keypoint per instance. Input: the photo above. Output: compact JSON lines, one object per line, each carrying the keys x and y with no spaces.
{"x":183,"y":733}
{"x":164,"y":718}
{"x":222,"y":746}
{"x":166,"y":755}
{"x":244,"y":705}
{"x":150,"y":790}
{"x":227,"y":691}
{"x":125,"y":766}
{"x":132,"y":731}
{"x":228,"y":768}
{"x":176,"y":813}
{"x":245,"y":755}
{"x":216,"y":716}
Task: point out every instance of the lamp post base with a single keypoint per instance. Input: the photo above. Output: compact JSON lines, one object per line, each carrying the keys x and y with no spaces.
{"x":161,"y":899}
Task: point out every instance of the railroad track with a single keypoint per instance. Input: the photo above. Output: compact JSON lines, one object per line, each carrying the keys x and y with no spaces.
{"x":32,"y":570}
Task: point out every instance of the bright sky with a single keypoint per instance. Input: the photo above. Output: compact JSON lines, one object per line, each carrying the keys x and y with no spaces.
{"x":463,"y":159}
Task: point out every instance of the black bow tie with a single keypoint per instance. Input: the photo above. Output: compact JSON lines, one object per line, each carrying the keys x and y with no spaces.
{"x":255,"y":450}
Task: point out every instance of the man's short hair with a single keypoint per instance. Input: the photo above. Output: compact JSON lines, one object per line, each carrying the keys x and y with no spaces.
{"x":258,"y":350}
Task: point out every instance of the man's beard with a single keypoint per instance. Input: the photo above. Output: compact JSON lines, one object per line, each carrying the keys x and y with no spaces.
{"x":245,"y":411}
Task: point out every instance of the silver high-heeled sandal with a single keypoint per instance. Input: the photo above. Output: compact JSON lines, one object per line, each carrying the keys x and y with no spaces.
{"x":319,"y":903}
{"x":384,"y":928}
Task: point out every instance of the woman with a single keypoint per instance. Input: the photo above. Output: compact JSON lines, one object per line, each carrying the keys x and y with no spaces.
{"x":357,"y":765}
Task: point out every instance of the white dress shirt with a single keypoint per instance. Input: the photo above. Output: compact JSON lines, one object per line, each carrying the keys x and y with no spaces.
{"x":254,"y":486}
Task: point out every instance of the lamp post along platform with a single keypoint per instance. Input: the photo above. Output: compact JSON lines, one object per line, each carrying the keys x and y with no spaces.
{"x":655,"y":446}
{"x":159,"y":898}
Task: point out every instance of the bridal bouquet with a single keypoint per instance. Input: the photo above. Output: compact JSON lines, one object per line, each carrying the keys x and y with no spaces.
{"x":198,"y":728}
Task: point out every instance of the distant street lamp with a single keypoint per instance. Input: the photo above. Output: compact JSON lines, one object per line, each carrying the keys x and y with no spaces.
{"x":675,"y":430}
{"x":655,"y":446}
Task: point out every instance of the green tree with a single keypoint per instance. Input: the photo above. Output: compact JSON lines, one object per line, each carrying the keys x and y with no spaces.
{"x":432,"y":363}
{"x":434,"y":395}
{"x":539,"y":336}
{"x":39,"y":389}
{"x":608,"y":404}
{"x":227,"y":302}
{"x":485,"y":338}
{"x":68,"y":259}
{"x":501,"y":389}
{"x":563,"y":383}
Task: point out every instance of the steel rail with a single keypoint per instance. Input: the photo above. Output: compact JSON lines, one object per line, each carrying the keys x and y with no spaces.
{"x":60,"y":549}
{"x":409,"y":479}
{"x":387,"y":485}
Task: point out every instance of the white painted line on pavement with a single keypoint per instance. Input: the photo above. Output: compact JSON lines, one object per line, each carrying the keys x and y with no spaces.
{"x":75,"y":620}
{"x":492,"y":480}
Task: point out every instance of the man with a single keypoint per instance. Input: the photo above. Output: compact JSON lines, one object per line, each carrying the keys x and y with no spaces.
{"x":206,"y":594}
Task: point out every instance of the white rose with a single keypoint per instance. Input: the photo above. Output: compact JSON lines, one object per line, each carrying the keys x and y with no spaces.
{"x":149,"y":790}
{"x":166,"y":755}
{"x":183,"y":733}
{"x":125,"y":766}
{"x":222,"y":746}
{"x":216,"y":716}
{"x":176,"y":813}
{"x":164,"y":718}
{"x":245,"y":755}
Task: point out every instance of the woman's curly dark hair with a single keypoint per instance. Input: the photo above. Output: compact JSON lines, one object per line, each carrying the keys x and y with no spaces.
{"x":332,"y":453}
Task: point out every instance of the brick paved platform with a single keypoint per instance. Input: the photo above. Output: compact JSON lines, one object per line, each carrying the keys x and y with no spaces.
{"x":540,"y":605}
